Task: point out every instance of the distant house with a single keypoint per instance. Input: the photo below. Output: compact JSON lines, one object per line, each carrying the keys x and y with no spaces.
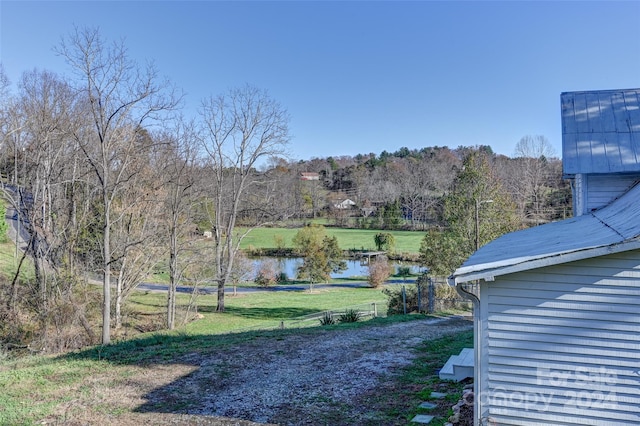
{"x":309,"y":176}
{"x":557,"y":307}
{"x":369,"y":208}
{"x":344,"y":204}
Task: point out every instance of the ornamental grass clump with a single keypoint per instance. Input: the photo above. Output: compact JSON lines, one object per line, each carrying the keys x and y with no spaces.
{"x":350,"y":315}
{"x":327,"y":319}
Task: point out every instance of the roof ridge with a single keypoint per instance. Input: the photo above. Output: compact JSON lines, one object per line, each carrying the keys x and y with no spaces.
{"x":630,"y":89}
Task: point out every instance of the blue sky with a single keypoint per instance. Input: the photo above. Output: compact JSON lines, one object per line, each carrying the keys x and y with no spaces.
{"x":362,"y":77}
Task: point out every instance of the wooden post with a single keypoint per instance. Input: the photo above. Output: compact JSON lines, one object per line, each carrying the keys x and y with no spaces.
{"x":404,"y":300}
{"x":431,"y":296}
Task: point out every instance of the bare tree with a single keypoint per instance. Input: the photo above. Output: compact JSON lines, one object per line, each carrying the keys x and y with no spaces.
{"x":421,"y":184}
{"x":243,"y":270}
{"x":533,"y":154}
{"x":44,"y":186}
{"x":120,"y":97}
{"x":179,"y":163}
{"x":137,"y":234}
{"x":47,"y":104}
{"x":282,"y":185}
{"x":534,"y":147}
{"x":4,"y":104}
{"x":240,"y":128}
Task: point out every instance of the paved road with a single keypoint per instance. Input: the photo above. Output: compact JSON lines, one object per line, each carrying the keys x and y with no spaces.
{"x":293,"y":287}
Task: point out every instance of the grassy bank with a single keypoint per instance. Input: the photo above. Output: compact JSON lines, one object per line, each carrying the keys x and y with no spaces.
{"x":421,"y":378}
{"x":9,"y":260}
{"x":265,"y":309}
{"x":348,"y":239}
{"x":36,"y":386}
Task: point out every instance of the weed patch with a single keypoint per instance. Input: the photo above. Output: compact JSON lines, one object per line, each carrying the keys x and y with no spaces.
{"x":422,"y":377}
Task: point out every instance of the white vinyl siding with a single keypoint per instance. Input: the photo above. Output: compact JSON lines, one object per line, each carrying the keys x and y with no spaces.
{"x":579,"y":195}
{"x":602,"y":189}
{"x":561,"y":345}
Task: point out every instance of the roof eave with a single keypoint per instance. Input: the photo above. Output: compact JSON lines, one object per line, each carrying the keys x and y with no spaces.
{"x":487,"y":272}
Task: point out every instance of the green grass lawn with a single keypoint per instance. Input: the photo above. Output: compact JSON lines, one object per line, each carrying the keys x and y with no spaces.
{"x":357,"y":239}
{"x":423,"y":374}
{"x":9,"y":262}
{"x":265,"y":309}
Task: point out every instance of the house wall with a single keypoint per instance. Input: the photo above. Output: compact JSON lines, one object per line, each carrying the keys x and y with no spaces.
{"x":594,"y":191}
{"x":561,"y":345}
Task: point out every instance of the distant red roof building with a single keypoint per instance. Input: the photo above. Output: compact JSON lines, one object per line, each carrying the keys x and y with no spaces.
{"x":309,"y":176}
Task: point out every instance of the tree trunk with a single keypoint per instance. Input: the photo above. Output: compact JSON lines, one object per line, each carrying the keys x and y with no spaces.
{"x":173,"y":281}
{"x":118,"y":312}
{"x":220,"y":306}
{"x":106,"y":278}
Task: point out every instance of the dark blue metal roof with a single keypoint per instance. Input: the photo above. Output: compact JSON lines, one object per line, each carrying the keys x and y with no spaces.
{"x":601,"y":131}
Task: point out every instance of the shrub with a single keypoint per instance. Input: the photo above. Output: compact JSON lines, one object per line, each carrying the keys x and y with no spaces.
{"x":403,"y":271}
{"x":445,"y":291}
{"x":267,"y":273}
{"x":379,"y":271}
{"x":280,"y":244}
{"x":327,"y":319}
{"x":283,"y":277}
{"x":350,"y":315}
{"x":384,"y":241}
{"x":443,"y":297}
{"x":396,"y":305}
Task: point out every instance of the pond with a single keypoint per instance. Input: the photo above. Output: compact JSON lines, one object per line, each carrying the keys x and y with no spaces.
{"x":355,"y":268}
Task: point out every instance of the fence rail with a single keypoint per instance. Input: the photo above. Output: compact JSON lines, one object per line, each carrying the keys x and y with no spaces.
{"x":366,"y":310}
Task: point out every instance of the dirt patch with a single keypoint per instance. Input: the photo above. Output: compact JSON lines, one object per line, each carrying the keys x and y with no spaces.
{"x":328,"y":377}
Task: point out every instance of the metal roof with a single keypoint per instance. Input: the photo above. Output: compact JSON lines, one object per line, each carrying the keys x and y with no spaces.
{"x":613,"y":228}
{"x":601,"y":131}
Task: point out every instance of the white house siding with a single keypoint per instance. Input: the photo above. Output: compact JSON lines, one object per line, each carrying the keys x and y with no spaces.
{"x":602,"y":189}
{"x":561,"y":345}
{"x":579,"y":194}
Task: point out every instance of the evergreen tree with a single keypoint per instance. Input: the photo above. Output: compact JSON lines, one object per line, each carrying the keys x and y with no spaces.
{"x":384,"y":241}
{"x":476,"y":211}
{"x":392,"y":217}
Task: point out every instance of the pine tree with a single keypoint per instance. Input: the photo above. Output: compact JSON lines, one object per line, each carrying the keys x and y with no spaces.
{"x":476,"y":211}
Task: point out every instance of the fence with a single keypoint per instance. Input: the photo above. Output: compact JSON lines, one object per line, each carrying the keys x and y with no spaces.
{"x":428,"y":295}
{"x":365,"y":310}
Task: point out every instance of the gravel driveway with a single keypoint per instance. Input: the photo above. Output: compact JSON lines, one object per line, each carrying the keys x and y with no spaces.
{"x":329,"y":377}
{"x":334,"y":377}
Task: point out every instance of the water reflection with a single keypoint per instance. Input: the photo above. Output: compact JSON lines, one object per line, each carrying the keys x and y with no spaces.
{"x":289,"y":266}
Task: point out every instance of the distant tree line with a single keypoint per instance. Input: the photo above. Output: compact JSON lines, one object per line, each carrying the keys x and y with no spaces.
{"x":407,"y":189}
